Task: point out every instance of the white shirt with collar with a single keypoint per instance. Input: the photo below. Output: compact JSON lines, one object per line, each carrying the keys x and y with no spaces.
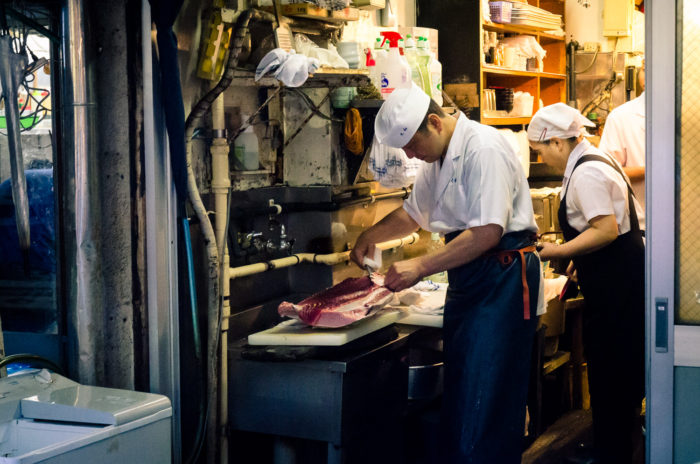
{"x":624,"y":137}
{"x":595,"y":189}
{"x":480,"y":182}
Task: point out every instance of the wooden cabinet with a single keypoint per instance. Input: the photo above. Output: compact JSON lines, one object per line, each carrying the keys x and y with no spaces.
{"x":460,"y":32}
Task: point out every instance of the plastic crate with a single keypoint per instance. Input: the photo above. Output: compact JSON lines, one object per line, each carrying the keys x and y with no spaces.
{"x":500,"y":11}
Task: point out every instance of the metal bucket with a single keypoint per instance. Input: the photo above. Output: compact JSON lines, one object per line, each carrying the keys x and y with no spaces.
{"x":425,"y":373}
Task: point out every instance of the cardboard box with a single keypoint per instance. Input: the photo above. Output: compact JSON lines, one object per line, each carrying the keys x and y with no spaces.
{"x":464,"y":95}
{"x":369,"y":4}
{"x":304,"y":10}
{"x":346,"y":14}
{"x":554,"y":318}
{"x":429,"y":33}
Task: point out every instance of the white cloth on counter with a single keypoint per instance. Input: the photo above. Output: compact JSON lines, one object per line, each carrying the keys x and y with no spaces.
{"x":545,"y":192}
{"x":553,"y":287}
{"x":426,"y":297}
{"x":288,"y":67}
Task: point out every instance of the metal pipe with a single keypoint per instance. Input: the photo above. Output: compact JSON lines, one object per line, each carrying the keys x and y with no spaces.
{"x":11,"y":75}
{"x":84,"y":277}
{"x":328,"y":259}
{"x":214,"y":258}
{"x":333,"y":205}
{"x":220,"y":186}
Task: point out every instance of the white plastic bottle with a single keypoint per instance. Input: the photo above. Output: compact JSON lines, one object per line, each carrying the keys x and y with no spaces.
{"x":435,"y":68}
{"x":394,"y":71}
{"x":246,"y":150}
{"x":410,"y":54}
{"x":435,"y":244}
{"x":423,"y":63}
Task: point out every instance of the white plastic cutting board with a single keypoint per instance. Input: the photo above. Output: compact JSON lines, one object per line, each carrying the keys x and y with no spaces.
{"x":292,"y":332}
{"x":427,"y":320}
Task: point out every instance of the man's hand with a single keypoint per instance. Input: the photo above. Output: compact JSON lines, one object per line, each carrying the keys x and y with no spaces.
{"x":396,"y":224}
{"x":361,"y":249}
{"x":404,"y":274}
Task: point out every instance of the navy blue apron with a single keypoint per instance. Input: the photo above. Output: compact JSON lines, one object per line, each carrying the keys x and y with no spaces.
{"x":612,"y":282}
{"x":488,"y":344}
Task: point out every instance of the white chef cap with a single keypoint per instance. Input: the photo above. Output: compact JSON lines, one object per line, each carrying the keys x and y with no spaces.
{"x":400,"y":116}
{"x":557,"y":120}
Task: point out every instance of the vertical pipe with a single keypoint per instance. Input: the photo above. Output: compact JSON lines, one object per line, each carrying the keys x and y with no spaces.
{"x":84,"y":275}
{"x":161,"y":241}
{"x":11,"y":75}
{"x":221,"y":184}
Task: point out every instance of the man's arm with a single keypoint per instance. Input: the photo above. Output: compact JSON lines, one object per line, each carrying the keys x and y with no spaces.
{"x":634,"y":172}
{"x":466,"y":247}
{"x":396,"y":224}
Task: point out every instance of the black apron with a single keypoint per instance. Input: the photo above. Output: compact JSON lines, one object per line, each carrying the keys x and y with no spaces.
{"x":488,"y":331}
{"x":612,"y":282}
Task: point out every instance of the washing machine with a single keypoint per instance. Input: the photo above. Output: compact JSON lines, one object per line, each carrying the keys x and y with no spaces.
{"x":47,"y":418}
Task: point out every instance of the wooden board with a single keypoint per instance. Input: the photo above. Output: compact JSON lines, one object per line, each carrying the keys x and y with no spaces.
{"x":292,"y":332}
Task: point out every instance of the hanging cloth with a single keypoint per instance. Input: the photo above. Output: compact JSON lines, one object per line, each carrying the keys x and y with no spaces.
{"x":353,"y":131}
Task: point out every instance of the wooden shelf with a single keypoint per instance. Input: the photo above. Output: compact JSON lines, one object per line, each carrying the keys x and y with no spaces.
{"x":490,"y":69}
{"x":323,"y":77}
{"x":559,"y":359}
{"x":521,"y":29}
{"x":462,"y":28}
{"x":505,"y":121}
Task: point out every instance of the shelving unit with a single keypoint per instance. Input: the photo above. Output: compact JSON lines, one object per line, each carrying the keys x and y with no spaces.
{"x":461,"y":35}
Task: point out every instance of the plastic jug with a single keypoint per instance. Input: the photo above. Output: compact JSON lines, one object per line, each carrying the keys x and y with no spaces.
{"x":435,"y":68}
{"x":410,"y":54}
{"x":394,"y":71}
{"x":423,"y":63}
{"x":435,"y":244}
{"x":245,"y":149}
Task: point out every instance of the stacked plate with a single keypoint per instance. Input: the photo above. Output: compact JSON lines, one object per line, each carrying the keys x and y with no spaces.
{"x":528,"y":15}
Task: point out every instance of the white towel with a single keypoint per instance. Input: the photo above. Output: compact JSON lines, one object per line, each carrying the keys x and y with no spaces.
{"x":425,"y":297}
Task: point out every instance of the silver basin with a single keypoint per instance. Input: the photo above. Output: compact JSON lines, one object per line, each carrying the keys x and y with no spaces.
{"x":425,"y":373}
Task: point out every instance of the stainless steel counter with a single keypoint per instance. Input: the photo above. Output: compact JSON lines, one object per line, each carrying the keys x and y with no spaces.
{"x":352,"y":397}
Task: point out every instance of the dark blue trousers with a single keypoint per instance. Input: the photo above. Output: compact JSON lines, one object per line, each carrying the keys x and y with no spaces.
{"x":488,"y":346}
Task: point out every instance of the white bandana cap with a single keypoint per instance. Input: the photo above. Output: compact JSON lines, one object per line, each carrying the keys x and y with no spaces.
{"x":400,"y":116}
{"x":557,"y":120}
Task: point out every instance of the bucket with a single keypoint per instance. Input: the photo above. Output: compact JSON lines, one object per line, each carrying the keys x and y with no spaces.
{"x":425,"y":373}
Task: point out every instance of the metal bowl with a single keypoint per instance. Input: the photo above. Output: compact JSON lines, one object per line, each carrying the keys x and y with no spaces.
{"x":425,"y":373}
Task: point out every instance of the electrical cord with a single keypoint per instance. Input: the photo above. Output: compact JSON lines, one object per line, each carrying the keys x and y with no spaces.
{"x":32,"y":359}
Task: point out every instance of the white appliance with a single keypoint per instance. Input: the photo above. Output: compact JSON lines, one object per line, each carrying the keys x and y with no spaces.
{"x":47,"y":418}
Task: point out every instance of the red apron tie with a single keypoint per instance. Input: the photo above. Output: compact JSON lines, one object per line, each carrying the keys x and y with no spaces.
{"x":505,"y":257}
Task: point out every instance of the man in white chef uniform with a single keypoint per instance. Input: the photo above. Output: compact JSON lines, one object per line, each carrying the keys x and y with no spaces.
{"x":472,"y":190}
{"x":624,"y":137}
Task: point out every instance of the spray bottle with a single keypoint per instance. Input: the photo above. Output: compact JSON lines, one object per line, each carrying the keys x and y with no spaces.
{"x":394,"y":71}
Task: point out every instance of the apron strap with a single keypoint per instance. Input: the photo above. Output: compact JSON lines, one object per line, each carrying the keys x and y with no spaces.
{"x":634,"y":220}
{"x":506,"y":257}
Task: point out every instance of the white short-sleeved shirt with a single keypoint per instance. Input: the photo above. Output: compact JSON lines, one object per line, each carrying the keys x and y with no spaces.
{"x":595,"y":189}
{"x":480,"y":182}
{"x":624,"y":137}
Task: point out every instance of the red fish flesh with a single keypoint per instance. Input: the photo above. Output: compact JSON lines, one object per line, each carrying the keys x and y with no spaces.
{"x":349,"y":301}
